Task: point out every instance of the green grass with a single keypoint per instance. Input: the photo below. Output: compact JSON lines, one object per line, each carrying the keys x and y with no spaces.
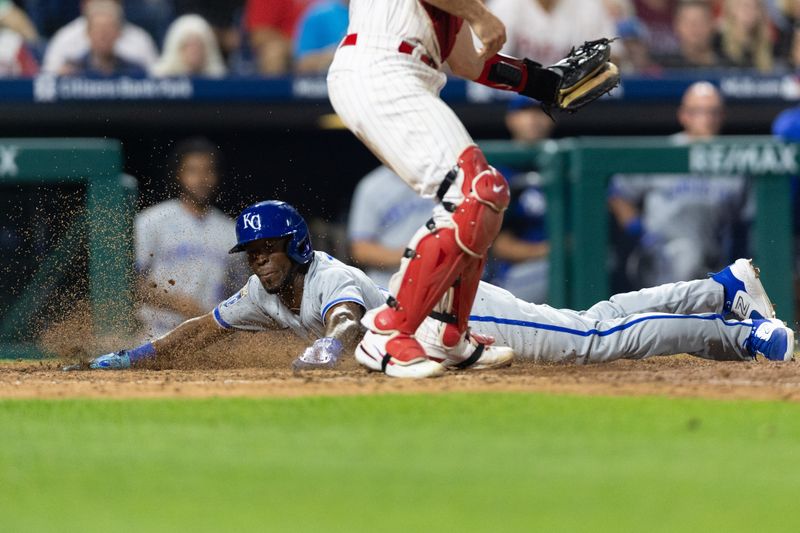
{"x":489,"y":462}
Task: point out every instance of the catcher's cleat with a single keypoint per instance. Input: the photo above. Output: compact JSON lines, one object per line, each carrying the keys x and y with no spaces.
{"x":771,"y":339}
{"x":371,"y":354}
{"x":745,"y":296}
{"x":473,"y":351}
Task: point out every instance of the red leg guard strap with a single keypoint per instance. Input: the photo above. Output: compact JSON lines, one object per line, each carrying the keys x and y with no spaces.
{"x":437,"y":264}
{"x":463,"y":297}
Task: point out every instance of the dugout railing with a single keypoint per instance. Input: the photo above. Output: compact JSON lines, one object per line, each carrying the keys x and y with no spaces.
{"x":576,"y":173}
{"x":103,"y":223}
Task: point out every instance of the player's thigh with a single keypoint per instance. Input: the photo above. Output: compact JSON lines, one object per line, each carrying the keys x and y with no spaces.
{"x":405,"y":124}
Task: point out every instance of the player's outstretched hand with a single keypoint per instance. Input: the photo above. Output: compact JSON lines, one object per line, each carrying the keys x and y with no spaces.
{"x":110,"y":361}
{"x":324,"y":353}
{"x":491,"y":32}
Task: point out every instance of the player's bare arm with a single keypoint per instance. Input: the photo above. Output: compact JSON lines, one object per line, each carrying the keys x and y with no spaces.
{"x":580,"y":78}
{"x":191,"y":336}
{"x":508,"y":247}
{"x":375,"y":255}
{"x":343,"y":331}
{"x":624,"y":211}
{"x":488,"y":28}
{"x":343,"y":322}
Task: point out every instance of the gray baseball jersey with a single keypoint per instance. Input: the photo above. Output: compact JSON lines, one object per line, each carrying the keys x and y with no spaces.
{"x":328,"y":282}
{"x":685,"y":219}
{"x":182,"y":252}
{"x":388,"y":212}
{"x":674,"y":318}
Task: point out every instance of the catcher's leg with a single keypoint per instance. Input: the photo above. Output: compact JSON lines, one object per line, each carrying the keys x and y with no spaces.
{"x":449,"y":249}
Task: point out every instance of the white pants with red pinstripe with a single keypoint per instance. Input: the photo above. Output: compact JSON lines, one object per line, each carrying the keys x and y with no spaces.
{"x":391,"y":102}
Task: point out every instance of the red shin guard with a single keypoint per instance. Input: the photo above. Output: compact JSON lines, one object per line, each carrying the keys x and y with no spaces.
{"x":446,"y":255}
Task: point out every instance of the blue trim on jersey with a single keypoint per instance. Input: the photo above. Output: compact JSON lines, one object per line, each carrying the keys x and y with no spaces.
{"x":338,"y":301}
{"x":615,"y":329}
{"x":219,"y":320}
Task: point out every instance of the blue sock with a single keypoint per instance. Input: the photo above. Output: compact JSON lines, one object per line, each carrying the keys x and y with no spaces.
{"x":145,"y":351}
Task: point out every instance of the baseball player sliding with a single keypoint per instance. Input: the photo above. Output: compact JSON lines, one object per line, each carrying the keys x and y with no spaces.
{"x":322,"y":300}
{"x":384,"y":83}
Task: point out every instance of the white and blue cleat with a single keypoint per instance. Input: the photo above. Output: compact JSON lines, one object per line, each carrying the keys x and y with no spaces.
{"x":745,"y":296}
{"x":110,"y":361}
{"x":771,"y":339}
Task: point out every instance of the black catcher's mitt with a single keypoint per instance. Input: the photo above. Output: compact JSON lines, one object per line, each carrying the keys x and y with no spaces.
{"x":586,"y":75}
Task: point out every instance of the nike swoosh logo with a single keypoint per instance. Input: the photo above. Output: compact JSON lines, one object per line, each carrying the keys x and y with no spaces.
{"x":498,"y":188}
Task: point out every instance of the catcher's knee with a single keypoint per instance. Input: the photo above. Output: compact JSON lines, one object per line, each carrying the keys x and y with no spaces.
{"x":486,"y":196}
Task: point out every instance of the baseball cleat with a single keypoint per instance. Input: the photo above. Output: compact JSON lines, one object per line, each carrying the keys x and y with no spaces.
{"x":371,"y":354}
{"x":474,"y":352}
{"x":772,"y":339}
{"x":745,"y":296}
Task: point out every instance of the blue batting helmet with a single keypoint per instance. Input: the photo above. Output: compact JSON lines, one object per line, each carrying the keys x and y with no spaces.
{"x":271,"y":220}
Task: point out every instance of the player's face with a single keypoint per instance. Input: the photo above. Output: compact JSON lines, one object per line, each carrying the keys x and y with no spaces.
{"x":268,"y":260}
{"x":197,"y":177}
{"x":701,"y":114}
{"x":103,"y":30}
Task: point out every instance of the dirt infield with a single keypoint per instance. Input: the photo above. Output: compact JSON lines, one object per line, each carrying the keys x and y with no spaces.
{"x":682,"y":376}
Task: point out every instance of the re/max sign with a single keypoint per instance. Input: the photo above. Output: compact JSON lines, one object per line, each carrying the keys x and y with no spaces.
{"x":743,"y":159}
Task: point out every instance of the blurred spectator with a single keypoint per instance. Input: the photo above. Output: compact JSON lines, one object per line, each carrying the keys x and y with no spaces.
{"x":16,"y":59}
{"x":224,"y":18}
{"x":620,"y":10}
{"x":519,"y":254}
{"x":153,"y":16}
{"x":103,"y":27}
{"x":695,"y":29}
{"x":271,"y":25}
{"x":546,"y":30}
{"x":71,"y":43}
{"x":319,"y":32}
{"x":744,"y":39}
{"x":682,"y":223}
{"x":790,"y":20}
{"x":384,"y":216}
{"x":657,"y":16}
{"x":50,"y":15}
{"x":14,"y":19}
{"x":182,"y":245}
{"x":636,"y":56}
{"x":190,"y":49}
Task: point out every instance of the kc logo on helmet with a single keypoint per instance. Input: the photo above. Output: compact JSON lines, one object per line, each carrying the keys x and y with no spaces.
{"x":252,"y":221}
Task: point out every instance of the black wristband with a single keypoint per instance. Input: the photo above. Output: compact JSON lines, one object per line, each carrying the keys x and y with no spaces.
{"x":542,"y":83}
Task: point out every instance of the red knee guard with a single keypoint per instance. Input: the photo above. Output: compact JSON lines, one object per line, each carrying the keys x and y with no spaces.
{"x":479,"y":217}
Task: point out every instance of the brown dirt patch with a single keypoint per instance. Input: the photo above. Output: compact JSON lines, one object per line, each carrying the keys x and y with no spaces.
{"x":680,"y":376}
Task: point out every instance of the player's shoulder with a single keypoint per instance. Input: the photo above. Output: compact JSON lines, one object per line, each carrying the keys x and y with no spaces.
{"x":327,"y":268}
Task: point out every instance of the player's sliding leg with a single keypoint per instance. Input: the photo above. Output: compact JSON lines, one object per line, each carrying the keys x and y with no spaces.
{"x":709,"y":336}
{"x":545,"y":334}
{"x":735,"y":290}
{"x":449,"y":253}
